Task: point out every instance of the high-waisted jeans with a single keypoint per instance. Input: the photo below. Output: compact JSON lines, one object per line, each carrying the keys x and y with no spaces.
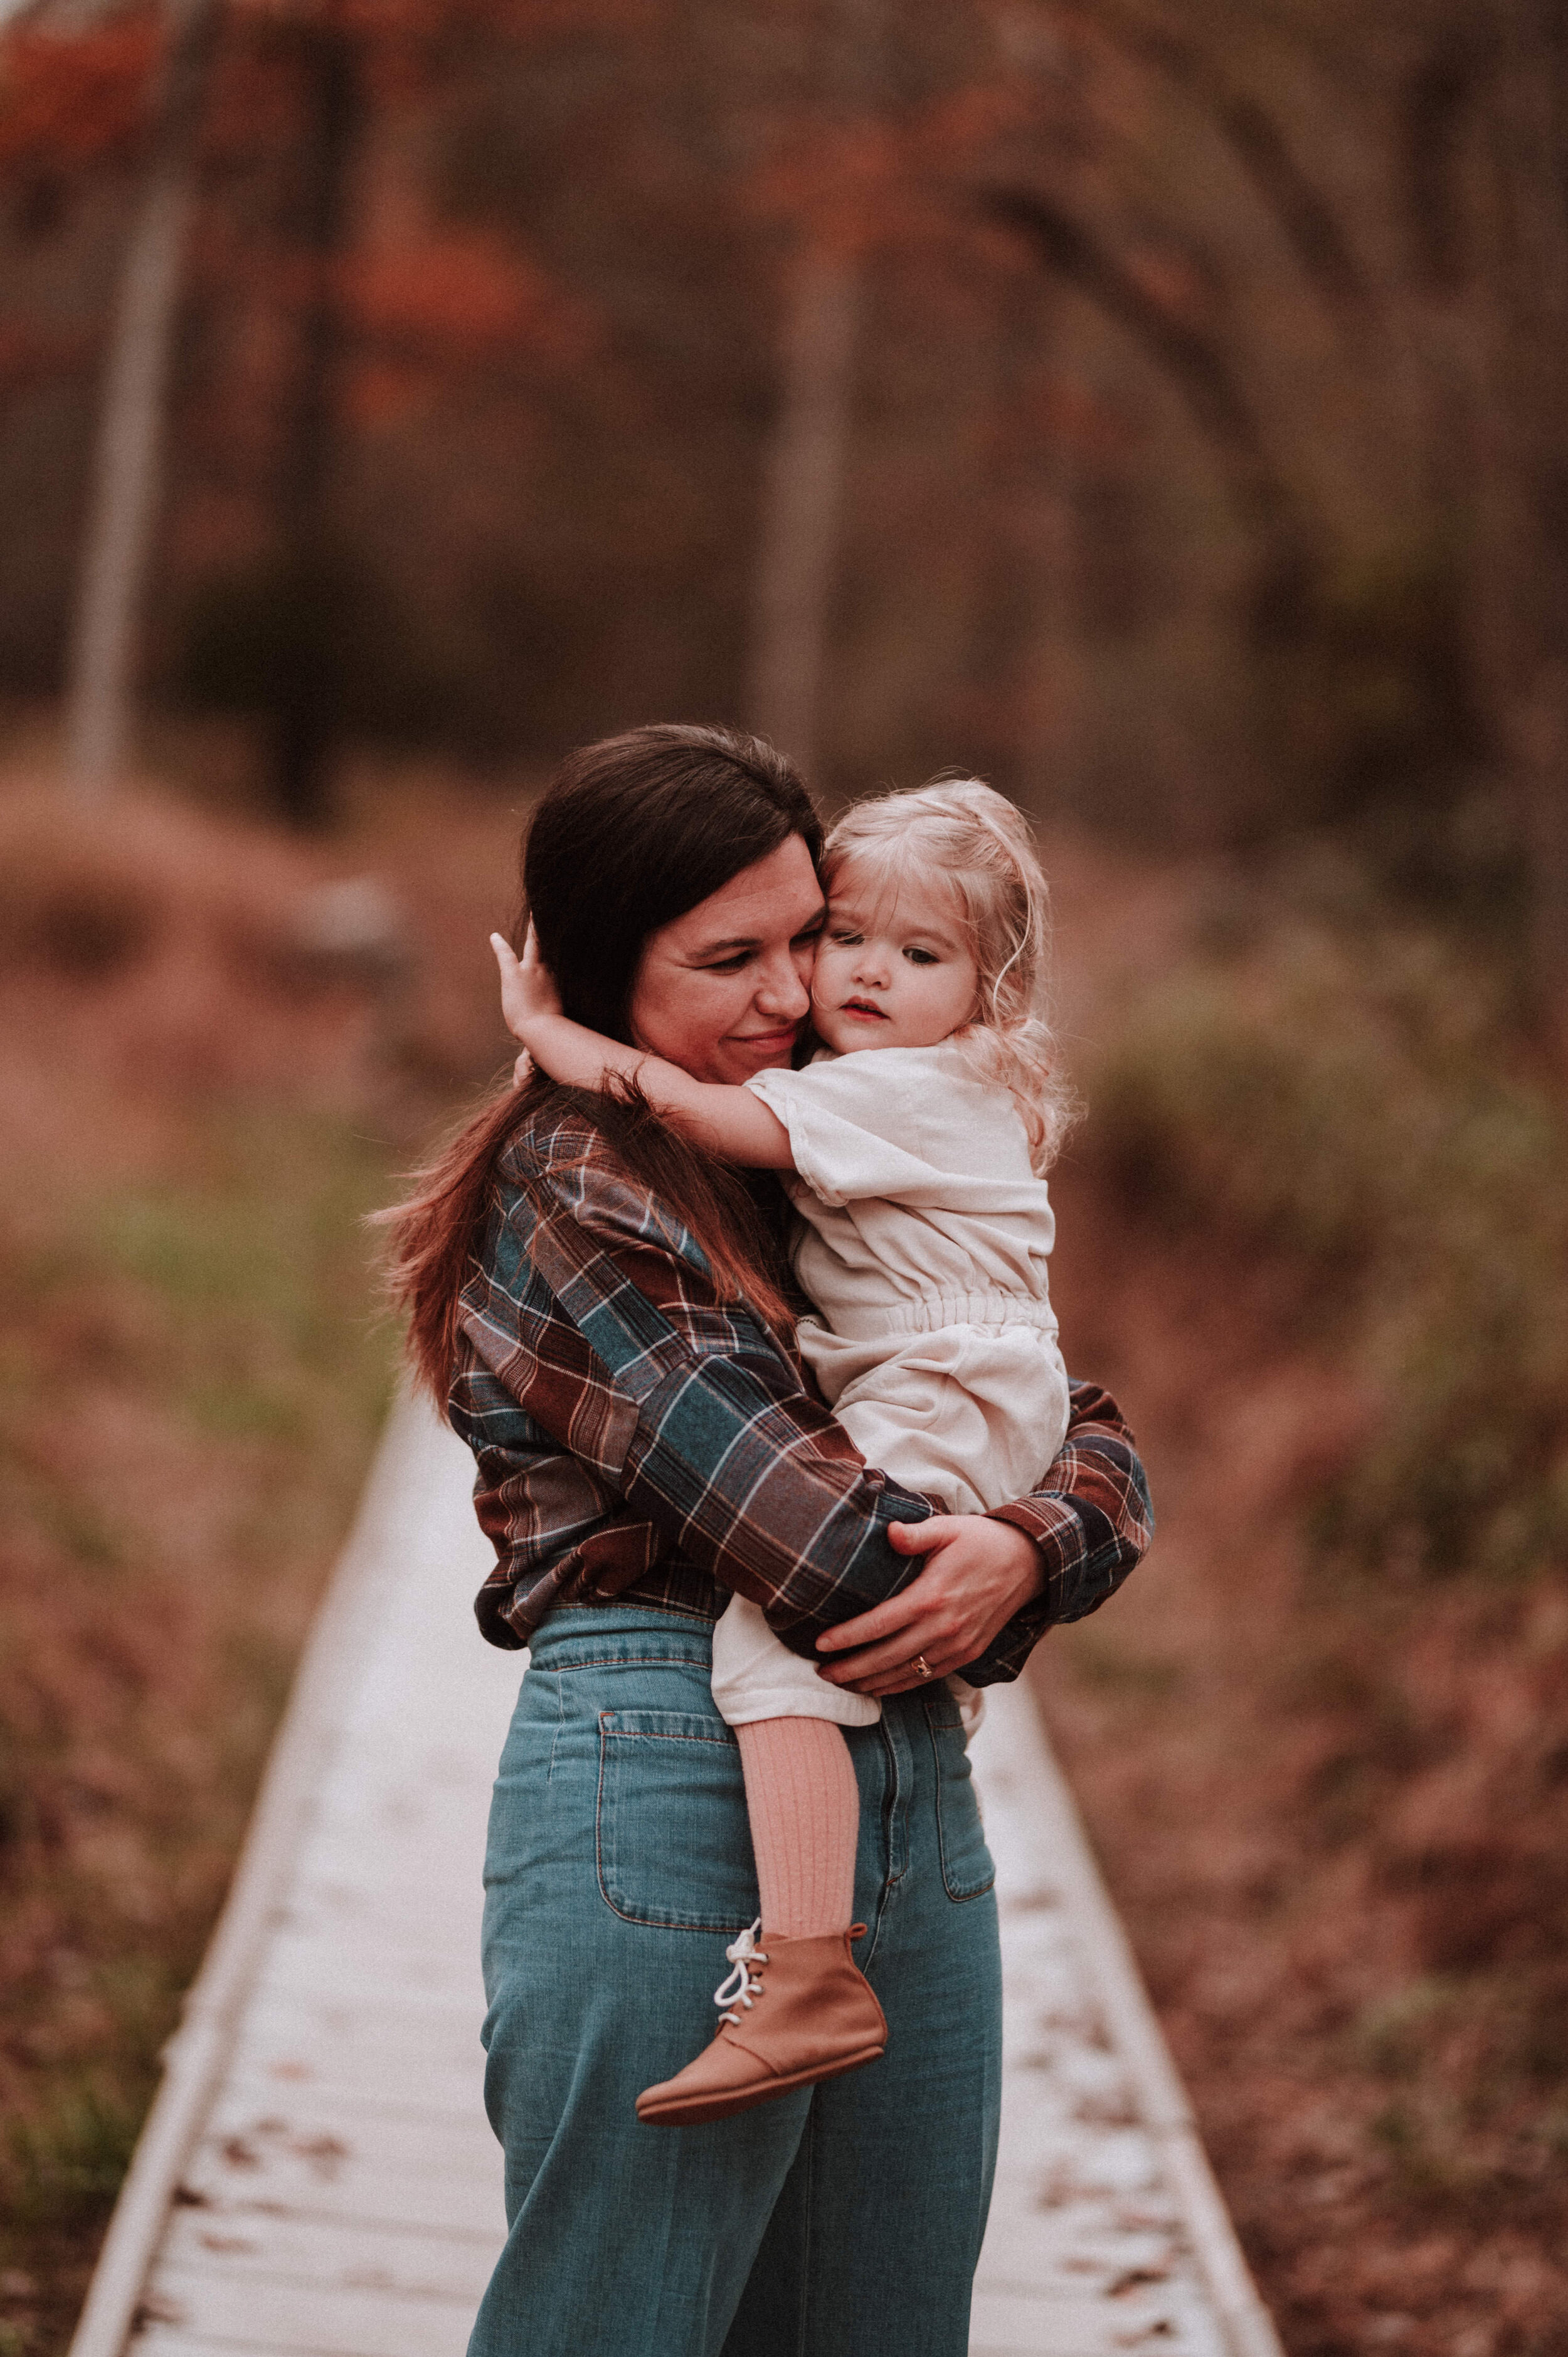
{"x":840,"y":2221}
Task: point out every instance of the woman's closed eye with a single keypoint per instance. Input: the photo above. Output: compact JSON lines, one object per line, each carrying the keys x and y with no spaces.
{"x":746,"y":954}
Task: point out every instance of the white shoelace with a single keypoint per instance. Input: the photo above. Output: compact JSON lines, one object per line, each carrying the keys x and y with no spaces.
{"x":740,"y":1986}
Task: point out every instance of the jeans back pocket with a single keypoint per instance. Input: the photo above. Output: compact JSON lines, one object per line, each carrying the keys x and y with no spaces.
{"x":674,"y":1844}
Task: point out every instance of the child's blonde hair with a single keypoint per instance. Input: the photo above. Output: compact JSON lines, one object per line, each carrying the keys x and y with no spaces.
{"x":981,"y":845}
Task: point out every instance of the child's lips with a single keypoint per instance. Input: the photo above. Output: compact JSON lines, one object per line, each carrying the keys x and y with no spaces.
{"x":863,"y":1006}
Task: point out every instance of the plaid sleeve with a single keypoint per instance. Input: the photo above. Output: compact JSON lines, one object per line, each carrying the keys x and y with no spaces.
{"x":679,"y":1403}
{"x":1091,"y":1521}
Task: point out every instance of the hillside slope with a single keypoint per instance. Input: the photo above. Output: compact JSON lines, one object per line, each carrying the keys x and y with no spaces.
{"x":1328,"y":1787}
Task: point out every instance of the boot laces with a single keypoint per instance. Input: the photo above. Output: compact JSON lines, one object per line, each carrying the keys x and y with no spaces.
{"x":739,"y":1987}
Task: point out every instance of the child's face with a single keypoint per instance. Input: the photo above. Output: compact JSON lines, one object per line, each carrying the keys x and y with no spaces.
{"x":893,"y":971}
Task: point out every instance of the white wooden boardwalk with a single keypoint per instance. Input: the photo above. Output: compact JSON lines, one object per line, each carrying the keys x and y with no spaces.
{"x":318,"y":2177}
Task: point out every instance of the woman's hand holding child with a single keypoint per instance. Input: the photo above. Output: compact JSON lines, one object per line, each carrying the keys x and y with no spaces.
{"x":978,"y":1575}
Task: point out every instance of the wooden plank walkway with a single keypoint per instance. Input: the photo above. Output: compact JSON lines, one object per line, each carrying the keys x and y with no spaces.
{"x":318,"y":2177}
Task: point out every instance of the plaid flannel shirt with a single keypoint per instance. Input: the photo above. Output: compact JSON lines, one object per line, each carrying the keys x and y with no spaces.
{"x":642,"y":1440}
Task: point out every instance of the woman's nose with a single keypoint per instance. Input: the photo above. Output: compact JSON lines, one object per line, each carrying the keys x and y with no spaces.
{"x":781,"y":990}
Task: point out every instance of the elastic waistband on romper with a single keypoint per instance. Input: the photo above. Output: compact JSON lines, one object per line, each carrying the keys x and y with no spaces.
{"x":928,"y":1313}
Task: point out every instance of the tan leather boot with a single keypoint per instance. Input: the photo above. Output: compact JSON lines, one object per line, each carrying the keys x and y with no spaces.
{"x":796,"y":2011}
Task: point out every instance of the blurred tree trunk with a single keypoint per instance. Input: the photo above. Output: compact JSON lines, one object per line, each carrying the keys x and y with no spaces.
{"x":800,"y":502}
{"x":803,"y":476}
{"x":128,"y":463}
{"x":309,"y":718}
{"x":1023,"y":646}
{"x":1535,"y":157}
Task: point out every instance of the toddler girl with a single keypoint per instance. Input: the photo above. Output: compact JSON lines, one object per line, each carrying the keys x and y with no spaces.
{"x":918,"y":1138}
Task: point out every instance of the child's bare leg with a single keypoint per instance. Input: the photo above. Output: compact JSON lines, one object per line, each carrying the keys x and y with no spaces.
{"x":804,"y":1805}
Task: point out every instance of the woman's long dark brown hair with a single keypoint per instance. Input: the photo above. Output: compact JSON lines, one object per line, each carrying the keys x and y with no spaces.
{"x":631,"y":834}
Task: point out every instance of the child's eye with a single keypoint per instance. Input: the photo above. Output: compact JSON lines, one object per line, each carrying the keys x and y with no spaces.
{"x":848,"y":941}
{"x":920,"y":957}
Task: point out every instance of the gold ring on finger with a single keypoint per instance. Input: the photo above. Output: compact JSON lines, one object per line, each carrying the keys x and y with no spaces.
{"x":920,"y":1666}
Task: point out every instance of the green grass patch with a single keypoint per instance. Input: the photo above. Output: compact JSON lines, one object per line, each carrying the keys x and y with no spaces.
{"x":193,"y":1378}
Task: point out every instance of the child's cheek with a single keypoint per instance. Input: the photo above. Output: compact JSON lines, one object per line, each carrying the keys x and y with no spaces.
{"x":827,"y":1028}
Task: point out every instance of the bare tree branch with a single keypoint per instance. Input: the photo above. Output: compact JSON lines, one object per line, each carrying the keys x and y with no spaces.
{"x":1194,"y":362}
{"x":1302,"y":211}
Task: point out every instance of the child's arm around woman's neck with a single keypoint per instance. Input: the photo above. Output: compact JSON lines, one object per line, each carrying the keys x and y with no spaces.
{"x":730,"y":1122}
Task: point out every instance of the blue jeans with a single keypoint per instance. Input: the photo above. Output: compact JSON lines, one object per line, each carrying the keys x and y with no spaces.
{"x":842,"y":2221}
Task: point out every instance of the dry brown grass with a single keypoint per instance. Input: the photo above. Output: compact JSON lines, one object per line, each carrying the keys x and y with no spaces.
{"x":1333,"y":1822}
{"x":201,"y":1094}
{"x":1328,"y":1784}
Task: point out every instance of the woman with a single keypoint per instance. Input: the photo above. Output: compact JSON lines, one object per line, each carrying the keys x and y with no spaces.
{"x":607,"y":1318}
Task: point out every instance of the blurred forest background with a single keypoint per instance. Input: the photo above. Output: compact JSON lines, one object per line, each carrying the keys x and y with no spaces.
{"x":1159,"y":406}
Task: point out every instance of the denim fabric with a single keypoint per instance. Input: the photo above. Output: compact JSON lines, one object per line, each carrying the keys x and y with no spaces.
{"x":843,"y":2221}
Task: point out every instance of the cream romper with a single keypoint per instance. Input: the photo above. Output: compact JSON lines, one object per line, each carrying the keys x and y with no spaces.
{"x":923,"y":1244}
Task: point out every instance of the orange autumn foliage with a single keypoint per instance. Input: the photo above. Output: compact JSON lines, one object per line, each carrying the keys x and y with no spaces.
{"x":453,"y":301}
{"x":68,"y":100}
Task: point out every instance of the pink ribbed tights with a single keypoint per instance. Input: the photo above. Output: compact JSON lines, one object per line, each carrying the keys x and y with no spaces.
{"x":804,"y":1807}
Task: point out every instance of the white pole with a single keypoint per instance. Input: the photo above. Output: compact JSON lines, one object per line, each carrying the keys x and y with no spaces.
{"x":127,"y":463}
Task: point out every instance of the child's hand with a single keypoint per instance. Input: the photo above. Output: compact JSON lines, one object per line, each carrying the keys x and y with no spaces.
{"x":527,"y":990}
